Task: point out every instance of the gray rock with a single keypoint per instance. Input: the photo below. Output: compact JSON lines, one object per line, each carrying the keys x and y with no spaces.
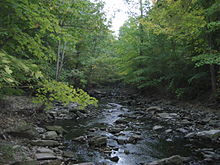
{"x":88,"y":163}
{"x":68,"y":154}
{"x":157,"y":127}
{"x":51,"y":135}
{"x":98,"y":141}
{"x":56,"y":128}
{"x":27,"y":162}
{"x":182,"y":130}
{"x":134,"y":139}
{"x":168,"y":131}
{"x":114,"y":159}
{"x":164,"y":115}
{"x":24,"y":130}
{"x":45,"y":156}
{"x":115,"y":130}
{"x":212,"y":134}
{"x":45,"y":143}
{"x":126,"y":152}
{"x":173,"y":160}
{"x":44,"y":150}
{"x":121,"y":121}
{"x":80,"y":139}
{"x":121,"y":140}
{"x":154,"y":108}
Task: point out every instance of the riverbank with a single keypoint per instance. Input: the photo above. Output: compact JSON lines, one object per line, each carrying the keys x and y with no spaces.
{"x":111,"y":134}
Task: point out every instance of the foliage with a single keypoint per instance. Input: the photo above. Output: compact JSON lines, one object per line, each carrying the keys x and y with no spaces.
{"x":179,"y":39}
{"x":57,"y":91}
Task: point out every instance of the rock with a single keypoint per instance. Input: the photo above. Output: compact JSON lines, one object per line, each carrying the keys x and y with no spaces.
{"x":215,"y":123}
{"x":182,"y":130}
{"x":115,"y":130}
{"x":164,"y":115}
{"x":121,"y":121}
{"x":24,"y":130}
{"x":121,"y":141}
{"x":98,"y":142}
{"x":27,"y":162}
{"x":212,"y":134}
{"x":50,"y":143}
{"x":173,"y":160}
{"x":157,"y":127}
{"x":134,"y":138}
{"x":154,"y":108}
{"x":88,"y":163}
{"x":114,"y":159}
{"x":80,"y":139}
{"x":45,"y":156}
{"x":168,"y":131}
{"x":56,"y":128}
{"x":68,"y":154}
{"x":51,"y":135}
{"x":40,"y":130}
{"x":167,"y":115}
{"x":44,"y":150}
{"x":126,"y":152}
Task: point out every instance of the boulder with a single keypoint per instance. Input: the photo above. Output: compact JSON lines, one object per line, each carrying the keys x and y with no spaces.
{"x":115,"y":130}
{"x":114,"y":158}
{"x":173,"y":160}
{"x":157,"y":127}
{"x":98,"y":141}
{"x":121,"y":121}
{"x":56,"y":128}
{"x":69,"y":154}
{"x":24,"y":130}
{"x":51,"y":135}
{"x":27,"y":162}
{"x":44,"y":150}
{"x":212,"y":134}
{"x":45,"y":156}
{"x":50,"y":143}
{"x":134,"y":139}
{"x":88,"y":163}
{"x":154,"y":108}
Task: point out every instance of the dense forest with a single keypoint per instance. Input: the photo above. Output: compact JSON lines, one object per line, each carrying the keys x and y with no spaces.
{"x":169,"y":46}
{"x":75,"y":92}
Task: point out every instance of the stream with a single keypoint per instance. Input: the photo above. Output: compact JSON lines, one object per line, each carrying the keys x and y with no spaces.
{"x":129,"y":137}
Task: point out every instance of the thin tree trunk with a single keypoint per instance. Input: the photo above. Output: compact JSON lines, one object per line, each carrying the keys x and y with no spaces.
{"x":141,"y":28}
{"x":62,"y":59}
{"x":58,"y":60}
{"x":213,"y":78}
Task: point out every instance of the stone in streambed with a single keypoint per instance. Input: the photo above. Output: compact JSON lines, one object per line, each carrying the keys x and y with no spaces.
{"x":23,"y":130}
{"x":157,"y":127}
{"x":98,"y":141}
{"x":114,"y":159}
{"x":50,"y":143}
{"x":173,"y":160}
{"x":50,"y":135}
{"x":56,"y":128}
{"x":44,"y":150}
{"x":45,"y":156}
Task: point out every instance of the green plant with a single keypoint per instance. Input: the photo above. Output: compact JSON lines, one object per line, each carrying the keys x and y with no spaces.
{"x":58,"y":91}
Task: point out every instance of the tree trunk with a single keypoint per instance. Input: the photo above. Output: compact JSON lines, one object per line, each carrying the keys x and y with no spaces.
{"x":141,"y":28}
{"x":213,"y":79}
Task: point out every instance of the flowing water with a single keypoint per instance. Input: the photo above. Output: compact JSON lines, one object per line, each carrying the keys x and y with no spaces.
{"x":152,"y":147}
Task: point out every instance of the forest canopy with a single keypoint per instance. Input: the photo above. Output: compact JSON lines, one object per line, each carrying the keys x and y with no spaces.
{"x":172,"y":46}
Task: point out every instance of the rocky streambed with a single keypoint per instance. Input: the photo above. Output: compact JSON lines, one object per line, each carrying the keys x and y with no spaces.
{"x":124,"y":130}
